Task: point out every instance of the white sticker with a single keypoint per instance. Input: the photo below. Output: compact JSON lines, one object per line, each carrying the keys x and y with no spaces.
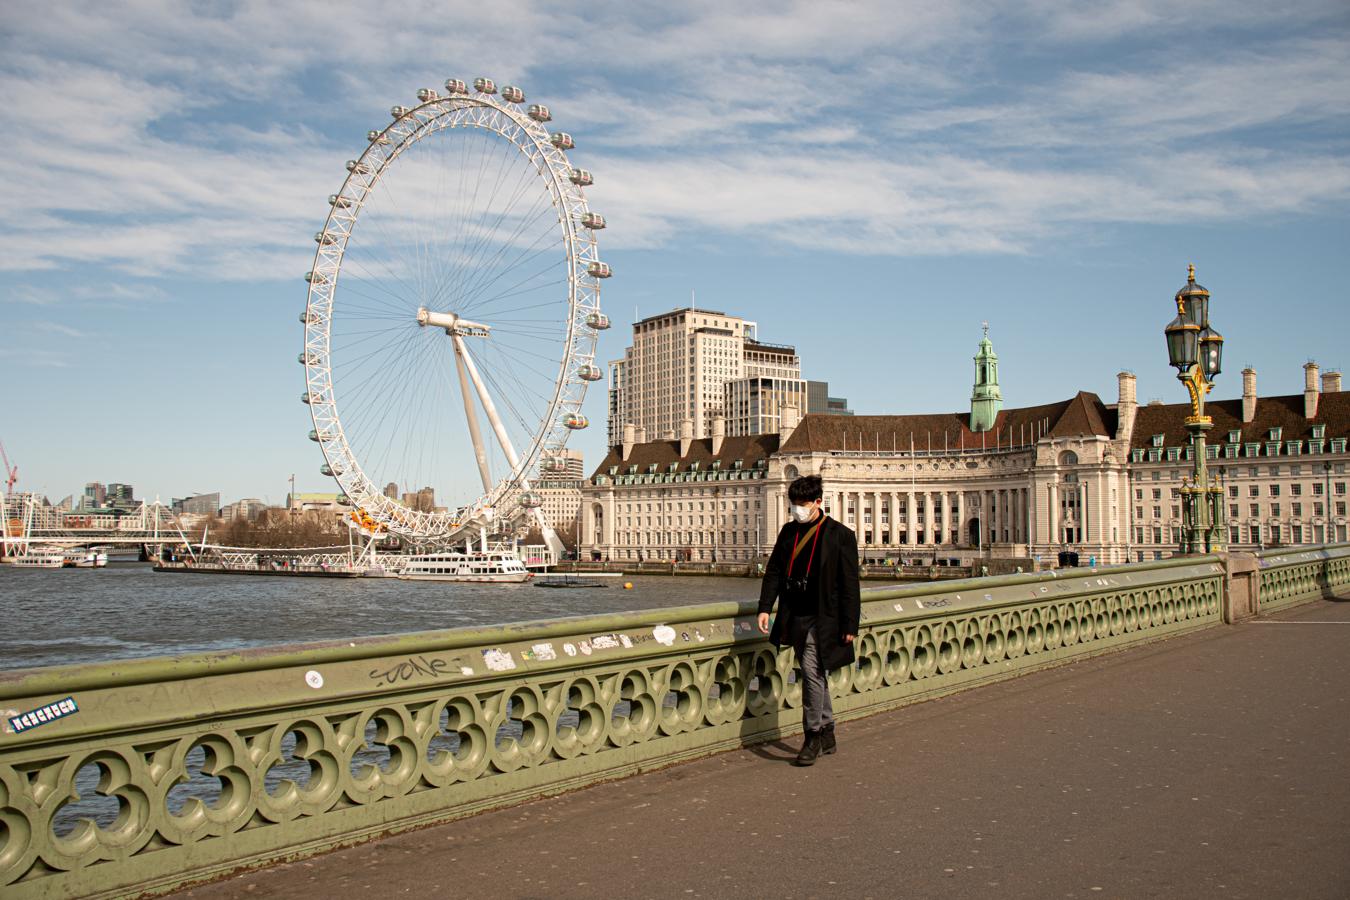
{"x":605,"y":641}
{"x":664,"y":634}
{"x":498,"y":660}
{"x":899,"y":608}
{"x":543,"y":651}
{"x":314,"y":679}
{"x":5,"y":715}
{"x":570,"y":649}
{"x":585,"y":648}
{"x":465,"y":670}
{"x":626,"y":641}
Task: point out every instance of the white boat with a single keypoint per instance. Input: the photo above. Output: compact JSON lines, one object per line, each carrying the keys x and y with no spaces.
{"x":94,"y":558}
{"x":492,"y":566}
{"x":40,"y":558}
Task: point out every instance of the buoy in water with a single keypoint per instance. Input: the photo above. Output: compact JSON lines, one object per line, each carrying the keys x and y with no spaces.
{"x":628,"y":585}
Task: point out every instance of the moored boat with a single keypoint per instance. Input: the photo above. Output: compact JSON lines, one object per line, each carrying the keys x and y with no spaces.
{"x":492,"y":566}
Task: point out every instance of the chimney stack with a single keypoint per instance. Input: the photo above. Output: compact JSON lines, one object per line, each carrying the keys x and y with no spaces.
{"x":787,"y":423}
{"x":627,"y":448}
{"x":1248,"y":395}
{"x":668,"y":434}
{"x":1310,"y":389}
{"x":641,"y":436}
{"x":719,"y":433}
{"x":1331,"y":382}
{"x":1125,"y":406}
{"x":686,"y":436}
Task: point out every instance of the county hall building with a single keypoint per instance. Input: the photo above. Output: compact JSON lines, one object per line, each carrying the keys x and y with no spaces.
{"x":1078,"y":475}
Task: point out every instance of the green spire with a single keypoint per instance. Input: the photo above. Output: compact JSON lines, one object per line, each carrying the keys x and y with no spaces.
{"x":985,"y":400}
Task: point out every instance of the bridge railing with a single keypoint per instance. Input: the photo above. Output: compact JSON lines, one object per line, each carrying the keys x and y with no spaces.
{"x":207,"y":763}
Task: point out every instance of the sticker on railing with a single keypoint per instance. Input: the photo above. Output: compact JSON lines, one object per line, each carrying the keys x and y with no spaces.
{"x":664,"y":634}
{"x":570,"y":649}
{"x":605,"y":641}
{"x":541,"y":652}
{"x":314,"y":678}
{"x":21,"y":722}
{"x":498,"y":660}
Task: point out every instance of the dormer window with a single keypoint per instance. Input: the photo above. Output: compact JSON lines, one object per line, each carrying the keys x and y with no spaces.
{"x":1234,"y":436}
{"x":651,"y":468}
{"x":632,"y":470}
{"x":738,"y":464}
{"x":716,"y":464}
{"x":1275,"y":433}
{"x":1157,"y":440}
{"x":673,"y":467}
{"x":693,"y":466}
{"x":1319,"y":432}
{"x":613,"y":470}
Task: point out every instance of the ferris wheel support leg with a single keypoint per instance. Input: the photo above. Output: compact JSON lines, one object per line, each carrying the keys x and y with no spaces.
{"x":475,"y":434}
{"x":551,"y":539}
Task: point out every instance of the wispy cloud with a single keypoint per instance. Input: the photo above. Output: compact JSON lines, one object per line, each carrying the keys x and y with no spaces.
{"x":203,"y":142}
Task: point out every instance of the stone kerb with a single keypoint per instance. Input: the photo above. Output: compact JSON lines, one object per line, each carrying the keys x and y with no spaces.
{"x":212,"y":762}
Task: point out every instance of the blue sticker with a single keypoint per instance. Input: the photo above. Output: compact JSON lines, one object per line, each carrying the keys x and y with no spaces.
{"x":43,"y":714}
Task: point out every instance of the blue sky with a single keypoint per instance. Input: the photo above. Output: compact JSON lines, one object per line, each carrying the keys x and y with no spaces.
{"x":868,"y":181}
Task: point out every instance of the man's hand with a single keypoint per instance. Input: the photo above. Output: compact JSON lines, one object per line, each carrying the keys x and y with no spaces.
{"x":764,"y":623}
{"x":848,"y":639}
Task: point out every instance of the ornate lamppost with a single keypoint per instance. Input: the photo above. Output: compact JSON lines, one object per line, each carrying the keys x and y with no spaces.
{"x":1196,"y":351}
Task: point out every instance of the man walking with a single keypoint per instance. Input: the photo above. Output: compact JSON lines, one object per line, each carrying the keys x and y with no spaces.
{"x":813,"y":574}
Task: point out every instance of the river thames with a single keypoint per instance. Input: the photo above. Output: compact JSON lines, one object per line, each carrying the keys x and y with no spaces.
{"x":63,"y":616}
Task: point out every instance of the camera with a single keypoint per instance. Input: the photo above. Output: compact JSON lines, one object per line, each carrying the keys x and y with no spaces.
{"x":796,"y":585}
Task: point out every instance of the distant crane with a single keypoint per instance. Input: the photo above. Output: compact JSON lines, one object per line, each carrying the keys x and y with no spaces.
{"x":11,"y":472}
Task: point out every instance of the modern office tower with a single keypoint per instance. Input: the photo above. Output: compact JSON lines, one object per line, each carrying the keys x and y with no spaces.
{"x":95,"y":496}
{"x":818,"y":400}
{"x":198,"y":504}
{"x":119,"y":496}
{"x":391,"y":490}
{"x":618,"y":412}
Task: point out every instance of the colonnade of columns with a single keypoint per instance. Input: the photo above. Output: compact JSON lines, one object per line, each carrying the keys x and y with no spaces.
{"x":933,"y":517}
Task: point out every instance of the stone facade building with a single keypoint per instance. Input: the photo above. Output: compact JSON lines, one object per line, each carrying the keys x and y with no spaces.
{"x":1077,"y":475}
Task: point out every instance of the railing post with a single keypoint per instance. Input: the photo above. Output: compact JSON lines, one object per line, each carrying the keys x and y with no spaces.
{"x":1241,"y":587}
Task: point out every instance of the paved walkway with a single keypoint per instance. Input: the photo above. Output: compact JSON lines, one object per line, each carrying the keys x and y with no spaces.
{"x":1211,"y":765}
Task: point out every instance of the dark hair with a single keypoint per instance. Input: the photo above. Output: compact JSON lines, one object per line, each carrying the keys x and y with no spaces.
{"x":806,"y":489}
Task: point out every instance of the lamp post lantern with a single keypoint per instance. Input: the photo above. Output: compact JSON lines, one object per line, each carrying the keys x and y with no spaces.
{"x":1195,"y":349}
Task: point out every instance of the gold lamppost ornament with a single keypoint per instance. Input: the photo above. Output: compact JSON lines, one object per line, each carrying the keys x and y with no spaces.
{"x":1195,"y":349}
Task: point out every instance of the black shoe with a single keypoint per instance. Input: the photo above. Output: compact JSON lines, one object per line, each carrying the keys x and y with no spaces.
{"x":810,"y":750}
{"x":827,"y":742}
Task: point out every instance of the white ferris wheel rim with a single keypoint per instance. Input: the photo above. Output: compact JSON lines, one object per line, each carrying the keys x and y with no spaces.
{"x":507,"y":120}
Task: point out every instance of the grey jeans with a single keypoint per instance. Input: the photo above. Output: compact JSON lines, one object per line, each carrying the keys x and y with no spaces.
{"x":816,"y":710}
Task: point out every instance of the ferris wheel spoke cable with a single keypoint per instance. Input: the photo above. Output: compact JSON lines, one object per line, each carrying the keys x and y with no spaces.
{"x":367,"y":278}
{"x":532,"y":216}
{"x":474,"y":293}
{"x":465,"y":276}
{"x":398,"y":408}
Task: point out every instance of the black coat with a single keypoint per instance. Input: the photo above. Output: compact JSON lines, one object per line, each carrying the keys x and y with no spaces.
{"x":840,"y":602}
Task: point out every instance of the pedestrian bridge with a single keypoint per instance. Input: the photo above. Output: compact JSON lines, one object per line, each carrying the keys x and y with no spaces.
{"x":208,"y":764}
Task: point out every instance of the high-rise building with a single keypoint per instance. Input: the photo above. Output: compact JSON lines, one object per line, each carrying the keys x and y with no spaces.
{"x":818,"y":400}
{"x":198,"y":504}
{"x":95,"y":496}
{"x":391,"y":490}
{"x":119,"y":496}
{"x":422,"y":501}
{"x":700,"y":364}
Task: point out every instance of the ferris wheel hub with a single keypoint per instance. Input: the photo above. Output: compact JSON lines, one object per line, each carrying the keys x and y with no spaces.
{"x":452,"y":323}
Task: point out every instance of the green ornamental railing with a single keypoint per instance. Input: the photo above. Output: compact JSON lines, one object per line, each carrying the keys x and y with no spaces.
{"x":146,"y":775}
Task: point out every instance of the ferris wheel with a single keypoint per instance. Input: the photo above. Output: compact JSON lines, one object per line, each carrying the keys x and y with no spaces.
{"x":456,"y":283}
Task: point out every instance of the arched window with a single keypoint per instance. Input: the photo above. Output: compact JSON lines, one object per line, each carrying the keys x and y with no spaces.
{"x":790,"y":472}
{"x":1068,"y":458}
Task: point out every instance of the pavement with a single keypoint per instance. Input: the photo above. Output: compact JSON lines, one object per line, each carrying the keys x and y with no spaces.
{"x":1216,"y":764}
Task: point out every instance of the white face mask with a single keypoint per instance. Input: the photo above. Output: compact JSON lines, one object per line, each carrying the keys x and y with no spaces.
{"x":802,"y":513}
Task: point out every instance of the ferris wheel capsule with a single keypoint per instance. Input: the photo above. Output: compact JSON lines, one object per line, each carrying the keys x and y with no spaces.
{"x":597,"y":320}
{"x":399,"y":112}
{"x":531,"y":500}
{"x":339,"y":202}
{"x":307,"y":359}
{"x":588,"y":372}
{"x":575,"y":421}
{"x":599,"y":269}
{"x":562,"y":140}
{"x":513,"y":94}
{"x":593,"y":221}
{"x":316,"y":277}
{"x":426,"y":95}
{"x":539,"y":113}
{"x":485,"y":85}
{"x":328,"y":470}
{"x":455,"y":86}
{"x":552,"y":464}
{"x":304,"y":398}
{"x":314,"y":435}
{"x":581,"y":178}
{"x":356,"y":167}
{"x":323,"y":237}
{"x":376,"y":137}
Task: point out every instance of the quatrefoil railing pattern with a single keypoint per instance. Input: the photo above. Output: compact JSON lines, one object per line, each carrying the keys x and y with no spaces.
{"x":203,"y":764}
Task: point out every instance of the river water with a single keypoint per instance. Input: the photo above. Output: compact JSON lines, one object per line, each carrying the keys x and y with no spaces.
{"x":61,"y":616}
